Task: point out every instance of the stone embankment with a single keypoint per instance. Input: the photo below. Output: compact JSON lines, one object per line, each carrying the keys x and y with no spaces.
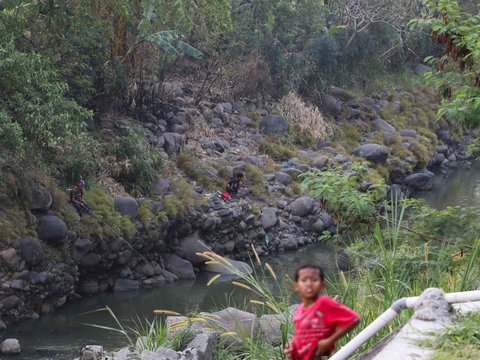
{"x":54,"y":263}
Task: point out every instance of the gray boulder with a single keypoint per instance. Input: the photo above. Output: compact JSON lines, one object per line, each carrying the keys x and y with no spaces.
{"x":10,"y":346}
{"x":445,"y":136}
{"x":38,"y":196}
{"x":382,"y":125}
{"x":302,"y":206}
{"x":320,"y":162}
{"x":178,"y":266}
{"x":52,"y":229}
{"x":204,"y":344}
{"x":289,"y":243}
{"x":31,"y":251}
{"x":326,"y":219}
{"x":173,"y":143}
{"x":191,"y":245}
{"x":126,"y":285}
{"x":409,"y":133}
{"x":161,"y":187}
{"x":420,"y":181}
{"x":90,"y":260}
{"x":269,"y":218}
{"x":438,"y":158}
{"x":222,"y":269}
{"x":340,"y":159}
{"x":238,"y":321}
{"x":166,"y":354}
{"x":283,"y":178}
{"x":318,"y":226}
{"x":126,"y":205}
{"x":332,"y":105}
{"x":273,"y":124}
{"x":442,"y":149}
{"x":89,"y":287}
{"x":372,"y":152}
{"x":10,"y":258}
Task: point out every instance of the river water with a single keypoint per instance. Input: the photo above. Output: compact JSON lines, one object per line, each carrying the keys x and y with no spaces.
{"x":62,"y":334}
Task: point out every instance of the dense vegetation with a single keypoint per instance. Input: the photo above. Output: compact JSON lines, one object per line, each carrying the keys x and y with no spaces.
{"x":64,"y":64}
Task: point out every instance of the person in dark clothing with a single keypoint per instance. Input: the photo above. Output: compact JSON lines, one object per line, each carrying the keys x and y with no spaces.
{"x":234,"y":184}
{"x":76,"y":198}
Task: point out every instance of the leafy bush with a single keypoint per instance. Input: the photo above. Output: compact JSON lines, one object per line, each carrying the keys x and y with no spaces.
{"x":339,"y":189}
{"x":33,"y":103}
{"x":104,"y":220}
{"x":139,"y":162}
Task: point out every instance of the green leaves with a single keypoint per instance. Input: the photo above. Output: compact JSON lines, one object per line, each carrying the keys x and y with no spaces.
{"x":339,"y":189}
{"x":459,"y":33}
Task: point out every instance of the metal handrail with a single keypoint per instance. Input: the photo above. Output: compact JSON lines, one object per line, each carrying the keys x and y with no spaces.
{"x":387,"y":316}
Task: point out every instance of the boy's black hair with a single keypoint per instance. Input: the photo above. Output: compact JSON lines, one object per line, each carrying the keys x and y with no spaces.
{"x":239,"y":175}
{"x":321,"y":273}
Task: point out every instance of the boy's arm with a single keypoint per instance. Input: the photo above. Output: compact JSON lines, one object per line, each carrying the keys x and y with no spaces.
{"x":324,"y":345}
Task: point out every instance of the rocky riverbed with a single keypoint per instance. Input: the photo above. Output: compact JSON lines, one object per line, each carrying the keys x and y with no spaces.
{"x":55,"y":263}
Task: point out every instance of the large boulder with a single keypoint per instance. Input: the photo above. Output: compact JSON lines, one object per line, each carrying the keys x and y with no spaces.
{"x":382,"y":125}
{"x":126,"y":285}
{"x":204,"y":344}
{"x":269,"y":218}
{"x":126,"y":205}
{"x":162,"y":186}
{"x":244,"y":324}
{"x":173,"y":143}
{"x":320,"y":161}
{"x":283,"y":178}
{"x":372,"y":152}
{"x":10,"y":346}
{"x":223,"y":269}
{"x":332,"y":105}
{"x":420,"y":181}
{"x":191,"y":245}
{"x":273,"y":124}
{"x":178,"y":266}
{"x":38,"y":196}
{"x":31,"y":251}
{"x":52,"y":229}
{"x":302,"y":206}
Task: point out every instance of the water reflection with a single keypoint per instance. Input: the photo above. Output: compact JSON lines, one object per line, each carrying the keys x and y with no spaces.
{"x":454,"y":187}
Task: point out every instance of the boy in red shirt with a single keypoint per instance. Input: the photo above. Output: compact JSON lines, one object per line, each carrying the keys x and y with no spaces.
{"x":319,"y":320}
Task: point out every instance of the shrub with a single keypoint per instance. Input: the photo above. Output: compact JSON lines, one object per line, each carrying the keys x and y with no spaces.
{"x":307,"y":120}
{"x":339,"y":189}
{"x":180,"y":202}
{"x":137,"y":162}
{"x":104,"y":220}
{"x":278,"y":151}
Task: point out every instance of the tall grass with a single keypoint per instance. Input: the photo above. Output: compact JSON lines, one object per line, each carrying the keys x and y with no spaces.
{"x":391,"y":264}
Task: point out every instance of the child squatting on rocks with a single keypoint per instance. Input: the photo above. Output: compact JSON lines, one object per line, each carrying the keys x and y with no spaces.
{"x":319,"y":320}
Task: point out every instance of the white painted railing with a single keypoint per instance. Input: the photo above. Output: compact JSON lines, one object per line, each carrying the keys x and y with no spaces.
{"x":380,"y":322}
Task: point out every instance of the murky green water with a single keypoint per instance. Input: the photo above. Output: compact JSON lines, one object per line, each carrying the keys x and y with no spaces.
{"x":61,"y":335}
{"x":453,"y":187}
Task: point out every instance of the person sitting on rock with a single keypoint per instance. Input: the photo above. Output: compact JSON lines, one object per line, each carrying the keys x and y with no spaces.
{"x":234,"y":184}
{"x":76,"y":198}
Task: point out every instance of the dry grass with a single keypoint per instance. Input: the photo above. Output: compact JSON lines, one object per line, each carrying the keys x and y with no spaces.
{"x":306,"y":119}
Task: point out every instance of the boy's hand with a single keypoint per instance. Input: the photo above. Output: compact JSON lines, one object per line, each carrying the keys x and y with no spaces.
{"x":323,"y":347}
{"x":288,"y":352}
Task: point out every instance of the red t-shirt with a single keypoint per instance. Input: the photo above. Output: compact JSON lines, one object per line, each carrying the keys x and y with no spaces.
{"x":317,"y":322}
